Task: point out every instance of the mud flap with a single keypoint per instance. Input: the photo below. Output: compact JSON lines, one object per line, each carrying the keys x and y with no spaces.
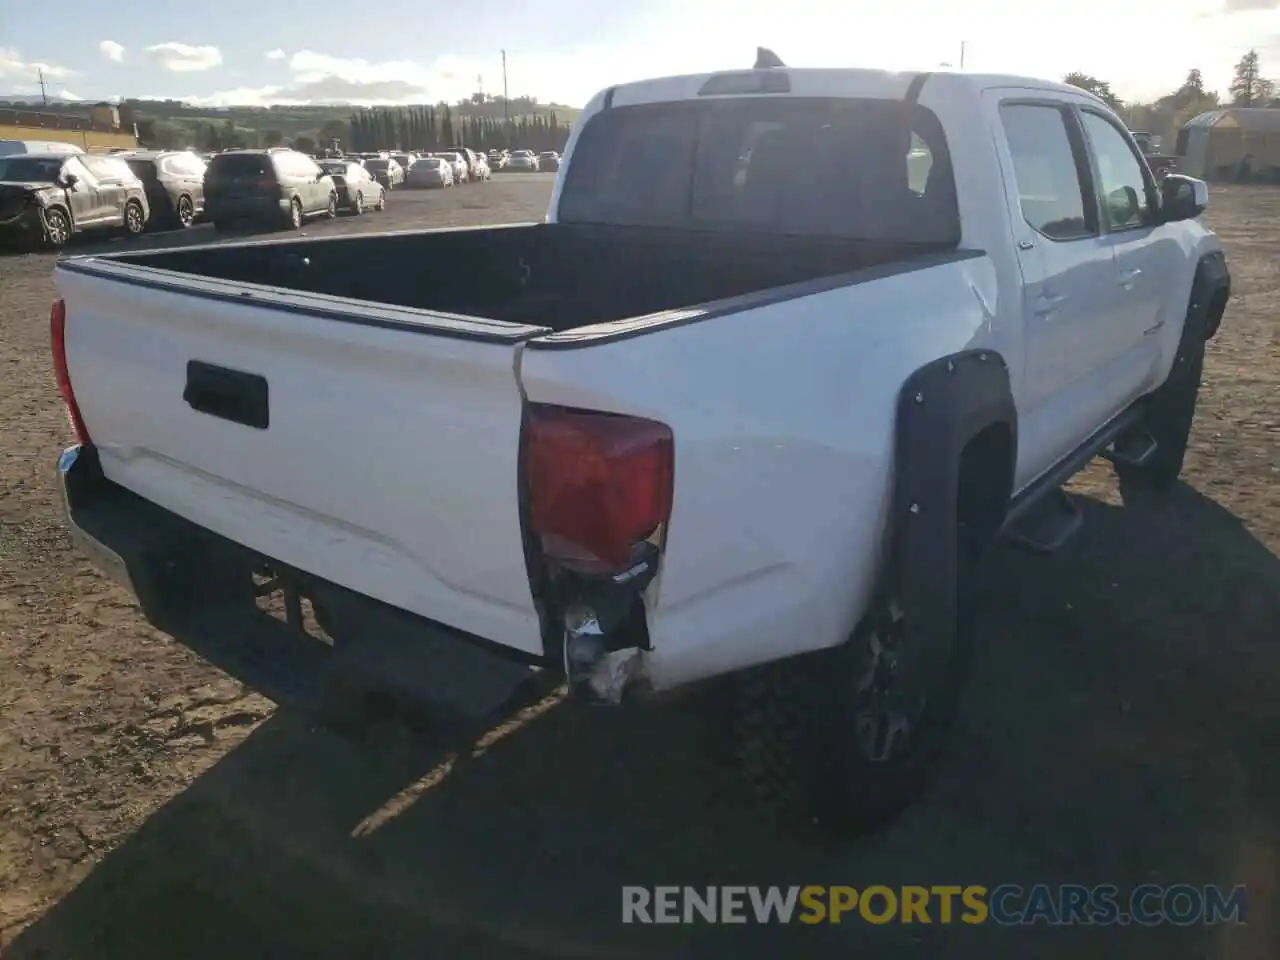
{"x":942,"y":406}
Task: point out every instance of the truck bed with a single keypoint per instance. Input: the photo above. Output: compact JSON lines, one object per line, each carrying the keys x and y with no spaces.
{"x":559,"y":276}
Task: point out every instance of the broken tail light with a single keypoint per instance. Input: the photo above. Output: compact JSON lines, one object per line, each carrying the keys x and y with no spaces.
{"x":597,"y":483}
{"x":58,"y":340}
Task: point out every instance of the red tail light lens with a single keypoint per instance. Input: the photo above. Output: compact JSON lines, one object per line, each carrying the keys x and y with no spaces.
{"x":58,"y":338}
{"x":597,"y":481}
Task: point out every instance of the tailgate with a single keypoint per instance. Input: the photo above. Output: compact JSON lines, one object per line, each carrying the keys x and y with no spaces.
{"x":376,"y":451}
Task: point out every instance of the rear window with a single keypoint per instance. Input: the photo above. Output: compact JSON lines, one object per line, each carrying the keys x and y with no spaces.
{"x":377,"y":164}
{"x":143,"y":169}
{"x":240,"y":165}
{"x":871,"y":169}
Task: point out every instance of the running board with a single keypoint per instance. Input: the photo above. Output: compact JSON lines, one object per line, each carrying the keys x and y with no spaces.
{"x":1133,"y":448}
{"x":1048,"y":525}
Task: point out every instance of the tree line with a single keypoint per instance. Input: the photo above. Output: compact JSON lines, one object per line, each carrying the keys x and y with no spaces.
{"x":431,"y":128}
{"x":1166,"y":115}
{"x":378,"y":128}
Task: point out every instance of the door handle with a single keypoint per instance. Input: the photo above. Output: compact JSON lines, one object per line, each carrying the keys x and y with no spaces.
{"x":1047,"y":304}
{"x":1127,"y":277}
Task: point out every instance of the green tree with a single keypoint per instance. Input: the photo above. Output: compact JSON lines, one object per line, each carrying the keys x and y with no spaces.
{"x":1246,"y":82}
{"x":272,"y":138}
{"x":304,"y":144}
{"x":1099,"y":88}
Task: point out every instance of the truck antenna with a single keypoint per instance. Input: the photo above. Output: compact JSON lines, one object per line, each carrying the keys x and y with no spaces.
{"x":766,"y":58}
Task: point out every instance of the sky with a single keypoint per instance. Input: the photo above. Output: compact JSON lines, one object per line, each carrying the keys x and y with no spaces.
{"x":222,"y":52}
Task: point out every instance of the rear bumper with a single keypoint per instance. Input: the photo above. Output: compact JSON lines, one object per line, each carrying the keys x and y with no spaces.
{"x":25,"y":226}
{"x":199,"y":587}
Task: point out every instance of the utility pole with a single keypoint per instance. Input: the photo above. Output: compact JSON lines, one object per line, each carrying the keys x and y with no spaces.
{"x":506,"y":103}
{"x":44,"y":96}
{"x":963,"y":44}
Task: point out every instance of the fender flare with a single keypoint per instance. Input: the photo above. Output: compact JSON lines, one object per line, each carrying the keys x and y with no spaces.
{"x":1209,"y":292}
{"x":942,"y":406}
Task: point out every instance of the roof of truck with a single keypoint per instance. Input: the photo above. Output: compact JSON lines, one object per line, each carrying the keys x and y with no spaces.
{"x":830,"y":82}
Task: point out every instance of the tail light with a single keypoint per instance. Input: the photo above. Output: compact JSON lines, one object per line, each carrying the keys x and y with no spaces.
{"x":58,"y":339}
{"x":597,"y":483}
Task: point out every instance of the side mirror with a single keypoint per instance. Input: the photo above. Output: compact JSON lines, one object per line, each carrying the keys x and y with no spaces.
{"x":69,"y":180}
{"x":1182,"y":198}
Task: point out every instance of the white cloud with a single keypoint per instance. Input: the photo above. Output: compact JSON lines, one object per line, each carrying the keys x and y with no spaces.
{"x":111,"y":50}
{"x":12,"y":65}
{"x":183,"y":57}
{"x":674,"y":37}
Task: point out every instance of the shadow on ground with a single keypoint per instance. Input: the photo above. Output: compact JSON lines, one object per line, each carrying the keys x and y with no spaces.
{"x":1121,"y":727}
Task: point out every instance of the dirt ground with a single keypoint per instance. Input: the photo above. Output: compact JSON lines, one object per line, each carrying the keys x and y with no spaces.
{"x":1122,"y":726}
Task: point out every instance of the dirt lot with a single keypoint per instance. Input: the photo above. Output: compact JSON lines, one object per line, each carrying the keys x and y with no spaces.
{"x":1123,"y":726}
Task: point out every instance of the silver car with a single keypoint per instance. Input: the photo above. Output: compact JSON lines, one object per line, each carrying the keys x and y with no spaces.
{"x":430,"y":172}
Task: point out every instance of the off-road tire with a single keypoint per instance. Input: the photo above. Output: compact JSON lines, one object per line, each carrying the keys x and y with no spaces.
{"x":794,"y":737}
{"x":1169,"y":414}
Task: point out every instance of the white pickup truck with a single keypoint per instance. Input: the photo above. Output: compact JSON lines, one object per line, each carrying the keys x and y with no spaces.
{"x":790,"y":348}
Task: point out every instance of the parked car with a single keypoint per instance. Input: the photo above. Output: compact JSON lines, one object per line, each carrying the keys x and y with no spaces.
{"x":548,"y":161}
{"x":497,"y":160}
{"x":46,"y":198}
{"x":882,"y":375}
{"x":356,"y":187}
{"x":10,"y":148}
{"x":1161,"y":164}
{"x":406,"y":160}
{"x":174,"y":181}
{"x":461,"y":169}
{"x":522,"y":161}
{"x":277,"y":186}
{"x":386,"y":171}
{"x":430,"y":172}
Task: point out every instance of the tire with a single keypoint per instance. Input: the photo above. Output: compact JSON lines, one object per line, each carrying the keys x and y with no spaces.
{"x":1169,"y":415}
{"x":295,"y":214}
{"x":802,"y":737}
{"x":57,"y":228}
{"x":382,"y":202}
{"x":185,"y":214}
{"x":331,"y":210}
{"x":357,"y":208}
{"x":135,"y":219}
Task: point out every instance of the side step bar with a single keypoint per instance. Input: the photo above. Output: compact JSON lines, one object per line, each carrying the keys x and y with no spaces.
{"x":1049,"y":525}
{"x":1044,"y":517}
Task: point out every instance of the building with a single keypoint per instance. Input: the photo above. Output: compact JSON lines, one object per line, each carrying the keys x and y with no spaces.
{"x":1231,"y":143}
{"x":100,"y":129}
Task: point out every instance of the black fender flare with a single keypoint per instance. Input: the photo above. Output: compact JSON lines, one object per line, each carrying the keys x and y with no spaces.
{"x":942,"y":406}
{"x":1209,"y":292}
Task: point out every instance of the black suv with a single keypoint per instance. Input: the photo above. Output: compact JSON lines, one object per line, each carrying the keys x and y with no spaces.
{"x":278,"y":186}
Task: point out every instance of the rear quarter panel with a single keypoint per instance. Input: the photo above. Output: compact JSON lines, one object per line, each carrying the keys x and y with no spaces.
{"x":783,"y":418}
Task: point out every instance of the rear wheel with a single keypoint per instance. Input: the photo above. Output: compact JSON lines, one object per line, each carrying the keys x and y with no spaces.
{"x":357,"y":208}
{"x":331,"y":210}
{"x":846,"y":738}
{"x":382,"y":202}
{"x":57,"y":228}
{"x":135,"y":221}
{"x":295,"y":214}
{"x":185,"y":215}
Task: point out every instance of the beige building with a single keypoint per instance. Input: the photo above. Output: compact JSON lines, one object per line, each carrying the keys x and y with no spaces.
{"x":99,"y":130}
{"x":1215,"y":145}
